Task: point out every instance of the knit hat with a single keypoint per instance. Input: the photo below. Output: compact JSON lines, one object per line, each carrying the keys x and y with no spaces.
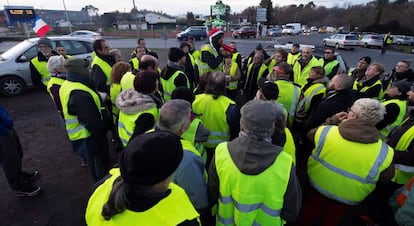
{"x":183,"y":93}
{"x":77,"y":65}
{"x":45,"y":41}
{"x":150,"y":158}
{"x":367,"y":59}
{"x":259,"y":46}
{"x":175,"y":54}
{"x":145,"y":81}
{"x":269,"y":89}
{"x":259,"y":116}
{"x":402,"y":86}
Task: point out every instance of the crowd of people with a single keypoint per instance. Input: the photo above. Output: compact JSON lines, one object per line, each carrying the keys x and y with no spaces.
{"x":209,"y":139}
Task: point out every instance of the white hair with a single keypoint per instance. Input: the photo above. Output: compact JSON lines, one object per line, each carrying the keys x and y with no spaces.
{"x":55,"y":62}
{"x":369,"y":110}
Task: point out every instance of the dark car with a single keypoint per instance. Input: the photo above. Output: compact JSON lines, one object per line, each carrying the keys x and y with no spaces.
{"x":245,"y":32}
{"x":198,"y":32}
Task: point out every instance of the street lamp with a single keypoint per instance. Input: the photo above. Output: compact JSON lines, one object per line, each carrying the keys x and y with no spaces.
{"x":67,"y":17}
{"x":136,"y":17}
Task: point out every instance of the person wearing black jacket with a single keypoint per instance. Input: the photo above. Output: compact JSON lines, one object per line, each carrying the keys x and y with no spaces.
{"x":38,"y":71}
{"x":81,"y":103}
{"x":100,"y":73}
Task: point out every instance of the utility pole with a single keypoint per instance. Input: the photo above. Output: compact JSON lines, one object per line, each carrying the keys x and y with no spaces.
{"x":136,"y":18}
{"x":67,"y":17}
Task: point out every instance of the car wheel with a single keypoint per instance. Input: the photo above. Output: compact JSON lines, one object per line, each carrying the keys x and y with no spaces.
{"x":336,"y":46}
{"x":365,"y":45}
{"x":398,"y":43}
{"x":324,"y":43}
{"x":352,"y":49}
{"x":11,"y":86}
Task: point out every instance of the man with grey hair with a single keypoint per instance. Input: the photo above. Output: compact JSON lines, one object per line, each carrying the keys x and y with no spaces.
{"x":243,"y":170}
{"x":302,"y":66}
{"x":348,"y":161}
{"x":190,"y":174}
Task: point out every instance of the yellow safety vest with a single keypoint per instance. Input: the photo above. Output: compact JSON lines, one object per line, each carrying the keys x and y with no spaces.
{"x":168,"y":86}
{"x":135,"y":63}
{"x":190,"y":135}
{"x":402,"y":105}
{"x":233,"y":71}
{"x":343,"y":170}
{"x":292,"y":58}
{"x":74,"y":127}
{"x":127,"y":81}
{"x":289,"y":95}
{"x":204,"y":67}
{"x":313,"y":90}
{"x":403,"y":173}
{"x":289,"y":146}
{"x":300,"y":75}
{"x":126,"y":123}
{"x":251,"y":199}
{"x":329,"y":66}
{"x":105,"y":67}
{"x":262,"y":70}
{"x":114,"y":90}
{"x":54,"y":81}
{"x":170,"y":211}
{"x":212,"y":113}
{"x":357,"y":87}
{"x":41,"y":67}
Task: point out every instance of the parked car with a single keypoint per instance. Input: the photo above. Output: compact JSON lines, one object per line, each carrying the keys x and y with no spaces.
{"x":401,"y":40}
{"x":198,"y":32}
{"x":305,"y":29}
{"x":85,"y":34}
{"x":345,"y":41}
{"x":274,"y":32}
{"x":322,"y":29}
{"x":314,"y":29}
{"x":245,"y":32}
{"x":292,"y":29}
{"x":344,"y":30}
{"x":369,"y":40}
{"x":14,"y":63}
{"x":330,"y":29}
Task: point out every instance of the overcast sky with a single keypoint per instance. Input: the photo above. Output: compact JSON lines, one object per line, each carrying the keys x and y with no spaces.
{"x":172,"y":7}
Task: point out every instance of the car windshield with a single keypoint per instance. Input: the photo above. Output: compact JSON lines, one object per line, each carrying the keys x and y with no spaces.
{"x":289,"y":27}
{"x":375,"y":37}
{"x":17,"y":49}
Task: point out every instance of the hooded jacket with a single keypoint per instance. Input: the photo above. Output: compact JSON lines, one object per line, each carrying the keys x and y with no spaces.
{"x":130,"y":102}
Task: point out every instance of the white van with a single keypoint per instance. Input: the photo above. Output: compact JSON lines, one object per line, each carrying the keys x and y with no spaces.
{"x":292,"y":29}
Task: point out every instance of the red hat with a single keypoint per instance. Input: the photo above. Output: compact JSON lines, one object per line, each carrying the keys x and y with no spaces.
{"x":227,"y":48}
{"x":214,"y":32}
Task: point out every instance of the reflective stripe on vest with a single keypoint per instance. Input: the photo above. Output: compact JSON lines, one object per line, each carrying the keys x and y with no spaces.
{"x":402,"y":197}
{"x":105,"y":67}
{"x":168,"y":86}
{"x":212,"y":113}
{"x":358,"y":87}
{"x":126,"y":123}
{"x":190,"y":135}
{"x":244,"y":199}
{"x":74,"y":127}
{"x":165,"y":212}
{"x":204,"y":67}
{"x":402,"y":105}
{"x":127,"y":81}
{"x":260,"y":73}
{"x":314,"y":89}
{"x":403,"y":173}
{"x":353,"y":182}
{"x":41,"y":67}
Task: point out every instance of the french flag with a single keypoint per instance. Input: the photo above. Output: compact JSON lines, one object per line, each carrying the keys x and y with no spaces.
{"x":40,"y":26}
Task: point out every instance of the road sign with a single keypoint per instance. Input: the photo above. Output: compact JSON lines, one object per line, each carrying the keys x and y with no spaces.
{"x":261,"y":15}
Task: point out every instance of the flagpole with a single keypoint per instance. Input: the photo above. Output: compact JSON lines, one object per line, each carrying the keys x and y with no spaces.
{"x":67,"y":17}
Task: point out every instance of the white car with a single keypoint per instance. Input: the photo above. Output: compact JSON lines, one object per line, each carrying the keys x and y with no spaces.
{"x":345,"y":41}
{"x":14,"y":63}
{"x":85,"y":34}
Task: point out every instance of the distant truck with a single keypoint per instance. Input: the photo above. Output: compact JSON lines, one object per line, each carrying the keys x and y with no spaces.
{"x":292,"y":29}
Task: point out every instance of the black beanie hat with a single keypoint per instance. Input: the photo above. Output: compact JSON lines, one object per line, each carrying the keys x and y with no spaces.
{"x":183,"y":93}
{"x":145,"y":81}
{"x":45,"y":41}
{"x":150,"y":158}
{"x":269,"y":89}
{"x":175,"y":54}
